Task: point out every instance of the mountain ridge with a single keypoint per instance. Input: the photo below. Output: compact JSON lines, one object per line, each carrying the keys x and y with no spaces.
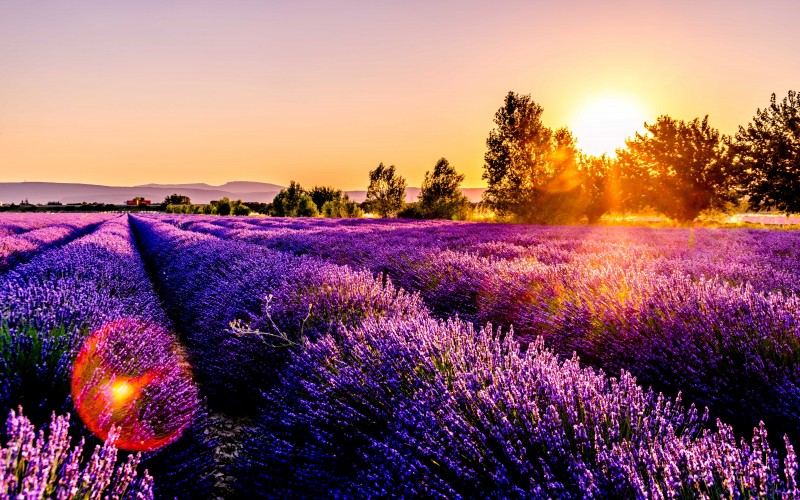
{"x":38,"y":192}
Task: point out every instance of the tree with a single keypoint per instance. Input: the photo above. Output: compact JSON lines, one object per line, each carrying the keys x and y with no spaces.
{"x":600,"y":186}
{"x":322,"y":194}
{"x":679,"y":168}
{"x":177,"y":199}
{"x":530,"y":170}
{"x":223,"y":206}
{"x":767,"y":156}
{"x":294,"y":201}
{"x":239,"y":208}
{"x":342,"y":208}
{"x":441,"y":196}
{"x":259,"y":207}
{"x":386,"y":192}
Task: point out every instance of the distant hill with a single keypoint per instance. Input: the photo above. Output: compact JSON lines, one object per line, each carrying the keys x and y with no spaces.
{"x":43,"y":192}
{"x":230,"y":187}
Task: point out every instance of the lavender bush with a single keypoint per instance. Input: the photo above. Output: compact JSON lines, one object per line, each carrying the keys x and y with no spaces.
{"x":47,"y":308}
{"x":46,"y":465}
{"x":419,"y":407}
{"x":17,"y":223}
{"x":272,"y":300}
{"x":21,"y":238}
{"x":335,"y":365}
{"x":710,"y":312}
{"x":34,"y":370}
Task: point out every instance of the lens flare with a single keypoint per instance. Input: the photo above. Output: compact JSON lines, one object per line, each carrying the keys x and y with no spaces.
{"x":121,"y":392}
{"x":132,"y":375}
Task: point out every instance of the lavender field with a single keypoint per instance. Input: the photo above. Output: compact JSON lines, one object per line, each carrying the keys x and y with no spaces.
{"x":205,"y":357}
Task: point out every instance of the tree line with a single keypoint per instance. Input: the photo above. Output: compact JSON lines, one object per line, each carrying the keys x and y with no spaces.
{"x":181,"y":204}
{"x":535,"y":174}
{"x":440,"y":197}
{"x":679,"y":168}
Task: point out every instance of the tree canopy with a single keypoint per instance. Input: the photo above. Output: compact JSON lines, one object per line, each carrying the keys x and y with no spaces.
{"x":332,"y":202}
{"x":342,"y":208}
{"x":386,"y":192}
{"x":323,"y":194}
{"x":531,"y":170}
{"x":294,"y":201}
{"x":679,"y":168}
{"x":223,"y":206}
{"x":600,"y":185}
{"x":177,"y":199}
{"x":441,"y":196}
{"x":767,"y":156}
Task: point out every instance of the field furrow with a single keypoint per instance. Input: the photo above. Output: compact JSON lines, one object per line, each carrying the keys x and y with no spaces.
{"x":52,"y":304}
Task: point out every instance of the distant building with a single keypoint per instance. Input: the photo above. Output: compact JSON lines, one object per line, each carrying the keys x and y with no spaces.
{"x":138,"y":201}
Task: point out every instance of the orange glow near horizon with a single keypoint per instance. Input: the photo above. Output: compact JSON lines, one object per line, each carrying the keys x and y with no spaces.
{"x":130,"y":93}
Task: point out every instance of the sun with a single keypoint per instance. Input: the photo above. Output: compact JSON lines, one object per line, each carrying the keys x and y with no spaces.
{"x":602,"y":124}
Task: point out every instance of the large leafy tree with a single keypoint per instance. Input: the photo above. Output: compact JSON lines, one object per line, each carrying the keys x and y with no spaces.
{"x":222,"y":207}
{"x":294,"y":201}
{"x":679,"y":168}
{"x":441,"y":196}
{"x":386,"y":192}
{"x":767,"y":156}
{"x":530,"y":169}
{"x":600,"y":184}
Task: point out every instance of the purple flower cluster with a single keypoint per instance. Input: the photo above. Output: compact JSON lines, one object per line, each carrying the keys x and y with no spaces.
{"x":242,"y":306}
{"x":46,"y":465}
{"x":349,"y":358}
{"x":768,"y":260}
{"x":710,"y":312}
{"x":406,"y":405}
{"x":424,"y":408}
{"x":23,"y":237}
{"x":51,"y":304}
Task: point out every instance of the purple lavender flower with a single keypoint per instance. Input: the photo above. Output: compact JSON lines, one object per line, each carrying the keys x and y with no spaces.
{"x":45,"y":464}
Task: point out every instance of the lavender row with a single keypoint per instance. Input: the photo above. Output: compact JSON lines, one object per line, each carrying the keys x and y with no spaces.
{"x":49,"y":307}
{"x":42,"y":233}
{"x":658,"y":307}
{"x":404,"y":405}
{"x":767,"y":260}
{"x":218,"y":291}
{"x":18,"y":223}
{"x":415,"y":407}
{"x":243,"y":308}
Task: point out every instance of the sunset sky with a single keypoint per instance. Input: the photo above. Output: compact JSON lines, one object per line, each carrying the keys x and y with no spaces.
{"x":121,"y":93}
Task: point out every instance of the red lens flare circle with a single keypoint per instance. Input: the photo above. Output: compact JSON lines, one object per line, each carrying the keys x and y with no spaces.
{"x":132,"y":375}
